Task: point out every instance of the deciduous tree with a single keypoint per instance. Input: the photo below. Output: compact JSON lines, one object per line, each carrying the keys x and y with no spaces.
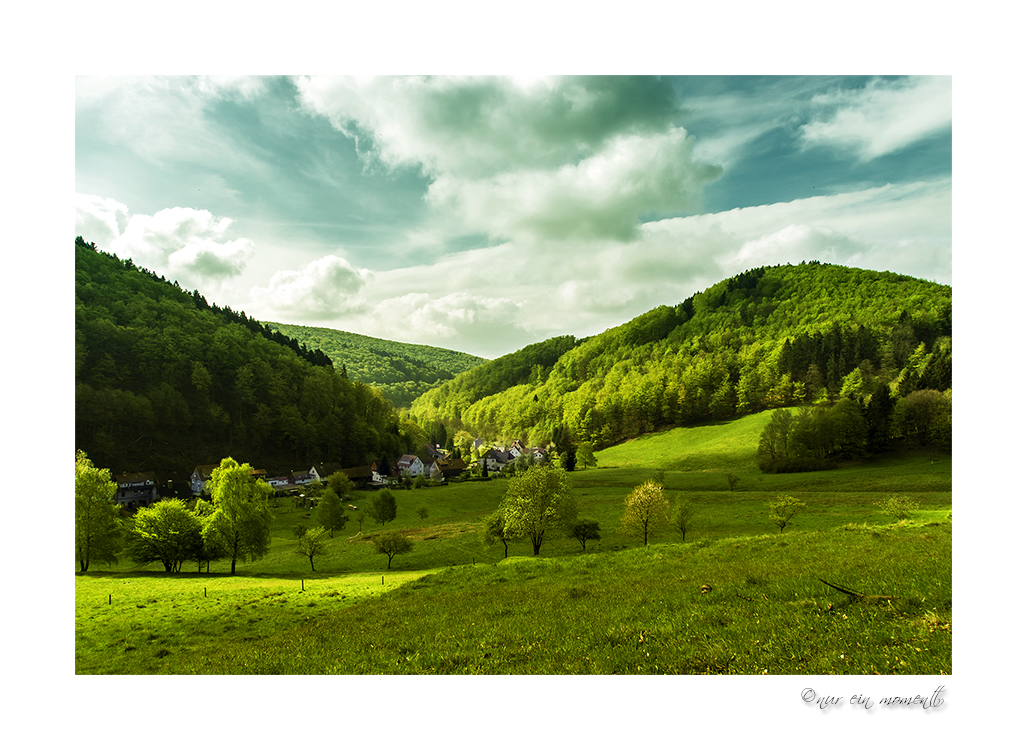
{"x":241,"y":521}
{"x":586,"y":457}
{"x":98,"y":529}
{"x":392,"y":543}
{"x":646,"y":510}
{"x":383,"y":507}
{"x":585,"y":530}
{"x":681,"y":517}
{"x":535,"y":502}
{"x":784,"y":509}
{"x":312,"y":543}
{"x":330,"y":512}
{"x":495,"y":531}
{"x":167,"y":532}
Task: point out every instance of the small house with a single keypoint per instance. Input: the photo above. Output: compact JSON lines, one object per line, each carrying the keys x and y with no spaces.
{"x":410,"y":466}
{"x":136,"y":489}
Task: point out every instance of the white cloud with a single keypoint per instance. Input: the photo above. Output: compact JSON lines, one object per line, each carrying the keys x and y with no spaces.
{"x":420,"y":316}
{"x":602,"y":195}
{"x":544,"y":158}
{"x":326,"y":288}
{"x":883,"y":117}
{"x":99,"y":220}
{"x":187,"y":243}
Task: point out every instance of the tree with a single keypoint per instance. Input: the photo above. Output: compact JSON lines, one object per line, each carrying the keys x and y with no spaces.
{"x":535,"y":502}
{"x":784,"y":509}
{"x":312,"y":543}
{"x":681,"y":517}
{"x":774,"y":440}
{"x":98,"y":530}
{"x":584,"y":530}
{"x":646,"y":510}
{"x":586,"y":458}
{"x":383,"y":507}
{"x":340,"y":484}
{"x":392,"y":543}
{"x":495,"y":531}
{"x":422,"y":512}
{"x":926,"y":417}
{"x":241,"y":521}
{"x":168,"y":532}
{"x":330,"y":512}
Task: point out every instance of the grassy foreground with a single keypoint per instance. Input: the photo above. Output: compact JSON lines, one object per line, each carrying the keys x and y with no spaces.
{"x":453,"y":606}
{"x":641,"y":611}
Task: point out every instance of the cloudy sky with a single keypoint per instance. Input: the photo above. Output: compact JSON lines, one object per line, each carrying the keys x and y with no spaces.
{"x":484,"y":213}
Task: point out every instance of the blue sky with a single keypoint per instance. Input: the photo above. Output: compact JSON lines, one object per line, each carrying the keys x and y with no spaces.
{"x":485,"y":213}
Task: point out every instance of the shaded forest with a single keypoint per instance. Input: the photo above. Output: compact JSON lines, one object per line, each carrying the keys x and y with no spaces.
{"x":166,"y":381}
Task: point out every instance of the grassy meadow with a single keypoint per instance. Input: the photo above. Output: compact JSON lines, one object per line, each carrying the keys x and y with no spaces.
{"x":452,"y":605}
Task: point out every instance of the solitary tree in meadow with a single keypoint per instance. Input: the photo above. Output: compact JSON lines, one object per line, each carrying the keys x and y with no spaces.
{"x":312,"y":543}
{"x":537,"y":501}
{"x":646,"y":510}
{"x":784,"y":509}
{"x":98,"y":529}
{"x":584,"y":530}
{"x":681,"y":517}
{"x":392,"y":543}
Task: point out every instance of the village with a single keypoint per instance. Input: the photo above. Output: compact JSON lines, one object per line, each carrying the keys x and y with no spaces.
{"x":435,"y":464}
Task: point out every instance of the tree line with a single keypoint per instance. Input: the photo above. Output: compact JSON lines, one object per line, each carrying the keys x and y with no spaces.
{"x":233,"y":523}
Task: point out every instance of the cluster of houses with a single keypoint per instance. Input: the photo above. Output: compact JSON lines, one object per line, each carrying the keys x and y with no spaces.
{"x":143,"y":488}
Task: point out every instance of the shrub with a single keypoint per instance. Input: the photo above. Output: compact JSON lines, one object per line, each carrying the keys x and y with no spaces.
{"x":899,"y":507}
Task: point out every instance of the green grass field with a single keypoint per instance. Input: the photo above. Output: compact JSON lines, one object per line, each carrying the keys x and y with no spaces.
{"x":453,"y":605}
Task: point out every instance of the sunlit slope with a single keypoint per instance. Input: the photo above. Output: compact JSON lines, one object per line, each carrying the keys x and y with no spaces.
{"x":728,"y":446}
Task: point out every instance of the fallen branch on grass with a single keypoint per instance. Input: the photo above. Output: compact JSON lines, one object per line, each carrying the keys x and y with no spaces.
{"x":857,"y":594}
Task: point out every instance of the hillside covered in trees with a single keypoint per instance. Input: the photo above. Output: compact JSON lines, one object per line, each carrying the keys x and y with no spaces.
{"x":165,"y":381}
{"x":401,"y":371}
{"x":770,"y":337}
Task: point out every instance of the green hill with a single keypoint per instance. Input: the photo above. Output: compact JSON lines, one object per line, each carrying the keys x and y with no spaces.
{"x":770,"y":337}
{"x":401,"y":371}
{"x":165,"y":381}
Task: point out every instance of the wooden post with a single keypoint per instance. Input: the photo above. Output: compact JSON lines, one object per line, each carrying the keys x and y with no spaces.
{"x":108,"y":598}
{"x":383,"y":580}
{"x":204,"y":592}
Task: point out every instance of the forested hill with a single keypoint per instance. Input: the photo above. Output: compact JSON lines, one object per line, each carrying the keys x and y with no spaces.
{"x":165,"y":381}
{"x":402,"y":371}
{"x":772,"y":336}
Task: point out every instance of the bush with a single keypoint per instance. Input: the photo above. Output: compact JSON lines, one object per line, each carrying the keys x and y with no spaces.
{"x":899,"y":507}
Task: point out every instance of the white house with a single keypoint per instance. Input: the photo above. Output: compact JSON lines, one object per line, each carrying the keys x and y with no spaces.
{"x":410,"y":466}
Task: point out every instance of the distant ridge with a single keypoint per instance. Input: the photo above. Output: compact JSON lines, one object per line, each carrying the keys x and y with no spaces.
{"x":401,"y":371}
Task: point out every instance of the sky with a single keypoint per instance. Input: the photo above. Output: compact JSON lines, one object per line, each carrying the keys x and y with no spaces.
{"x":484,"y":213}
